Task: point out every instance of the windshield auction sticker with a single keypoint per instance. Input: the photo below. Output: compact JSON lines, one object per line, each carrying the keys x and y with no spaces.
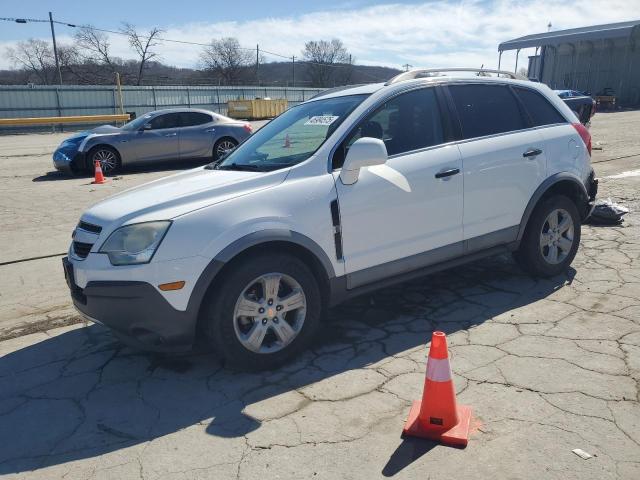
{"x":321,"y":120}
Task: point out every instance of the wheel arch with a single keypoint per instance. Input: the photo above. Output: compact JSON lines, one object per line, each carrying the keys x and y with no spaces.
{"x":559,"y":184}
{"x":91,"y":148}
{"x":273,"y":240}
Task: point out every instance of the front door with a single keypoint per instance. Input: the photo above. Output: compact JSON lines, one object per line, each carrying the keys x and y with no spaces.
{"x":407,"y":213}
{"x":159,"y":141}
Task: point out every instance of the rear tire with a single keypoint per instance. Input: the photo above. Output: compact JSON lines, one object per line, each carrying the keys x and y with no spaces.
{"x":266,"y":309}
{"x":222,"y":147}
{"x":551,"y":239}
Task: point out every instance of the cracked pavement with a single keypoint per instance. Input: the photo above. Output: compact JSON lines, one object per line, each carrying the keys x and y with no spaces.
{"x":547,"y":366}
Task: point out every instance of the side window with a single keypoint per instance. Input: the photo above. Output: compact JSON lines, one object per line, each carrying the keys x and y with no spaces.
{"x":539,"y":108}
{"x":191,"y":119}
{"x":407,"y":122}
{"x":168,"y":120}
{"x":486,"y":110}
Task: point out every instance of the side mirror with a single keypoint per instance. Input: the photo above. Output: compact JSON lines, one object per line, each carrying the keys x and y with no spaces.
{"x":365,"y":152}
{"x":146,"y":126}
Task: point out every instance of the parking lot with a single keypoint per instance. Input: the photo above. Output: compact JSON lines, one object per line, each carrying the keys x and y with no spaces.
{"x":548,"y":366}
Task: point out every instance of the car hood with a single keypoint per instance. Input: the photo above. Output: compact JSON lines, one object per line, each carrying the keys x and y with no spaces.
{"x":178,"y":194}
{"x":105,"y":129}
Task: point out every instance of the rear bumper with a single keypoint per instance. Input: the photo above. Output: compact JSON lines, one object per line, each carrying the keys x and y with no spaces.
{"x":592,"y":191}
{"x":136,"y":312}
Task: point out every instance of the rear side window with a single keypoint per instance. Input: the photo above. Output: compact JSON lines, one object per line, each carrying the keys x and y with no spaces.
{"x":190,"y":119}
{"x":486,"y":110}
{"x":539,"y":108}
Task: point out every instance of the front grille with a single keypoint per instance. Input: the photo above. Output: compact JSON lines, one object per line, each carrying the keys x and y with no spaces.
{"x":82,"y":249}
{"x":90,"y":227}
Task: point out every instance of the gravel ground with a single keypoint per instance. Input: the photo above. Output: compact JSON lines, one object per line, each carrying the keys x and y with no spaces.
{"x":547,"y":365}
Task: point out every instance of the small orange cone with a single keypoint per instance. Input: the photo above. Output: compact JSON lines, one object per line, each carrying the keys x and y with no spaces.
{"x":437,"y":416}
{"x":98,"y":176}
{"x":287,"y":141}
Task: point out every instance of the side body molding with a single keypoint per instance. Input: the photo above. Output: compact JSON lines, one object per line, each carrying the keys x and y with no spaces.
{"x":543,"y":188}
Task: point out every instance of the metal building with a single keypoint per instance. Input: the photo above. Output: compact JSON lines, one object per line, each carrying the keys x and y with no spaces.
{"x":601,"y":59}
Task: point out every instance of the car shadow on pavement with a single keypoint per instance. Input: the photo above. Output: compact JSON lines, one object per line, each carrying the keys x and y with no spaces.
{"x":168,"y":167}
{"x":81,"y":394}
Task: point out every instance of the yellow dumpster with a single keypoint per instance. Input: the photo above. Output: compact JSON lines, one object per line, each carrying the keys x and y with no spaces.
{"x":256,"y":109}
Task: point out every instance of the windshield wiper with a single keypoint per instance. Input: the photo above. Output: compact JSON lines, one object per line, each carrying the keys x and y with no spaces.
{"x":239,"y":167}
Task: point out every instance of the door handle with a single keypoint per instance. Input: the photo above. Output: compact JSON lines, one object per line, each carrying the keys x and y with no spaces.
{"x":210,"y":130}
{"x":170,"y":134}
{"x":447,"y":173}
{"x":532,"y":152}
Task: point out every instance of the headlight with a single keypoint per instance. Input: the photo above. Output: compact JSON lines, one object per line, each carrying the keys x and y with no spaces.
{"x":134,"y":244}
{"x":72,"y":142}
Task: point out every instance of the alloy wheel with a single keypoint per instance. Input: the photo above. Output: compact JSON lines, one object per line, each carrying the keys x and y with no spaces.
{"x":557,"y":236}
{"x":269,"y":313}
{"x":108,"y":160}
{"x":224,"y":147}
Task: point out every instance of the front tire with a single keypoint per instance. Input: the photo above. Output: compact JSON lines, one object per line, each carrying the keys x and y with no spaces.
{"x":265,"y":309}
{"x":108,"y":157}
{"x":551,"y":239}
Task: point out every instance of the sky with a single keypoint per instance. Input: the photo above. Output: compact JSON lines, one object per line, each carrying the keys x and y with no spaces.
{"x":421,"y":33}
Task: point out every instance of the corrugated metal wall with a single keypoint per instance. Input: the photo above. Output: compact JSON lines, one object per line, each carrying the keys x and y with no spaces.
{"x":594,"y":66}
{"x":50,"y":101}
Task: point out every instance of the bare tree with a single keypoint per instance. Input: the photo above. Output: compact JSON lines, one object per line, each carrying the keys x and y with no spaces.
{"x":94,"y":46}
{"x":226,"y":58}
{"x":143,"y":45}
{"x":35,"y":57}
{"x":323,"y":58}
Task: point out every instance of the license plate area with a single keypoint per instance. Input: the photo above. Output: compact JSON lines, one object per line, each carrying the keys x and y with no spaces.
{"x":67,"y":266}
{"x":76,"y":292}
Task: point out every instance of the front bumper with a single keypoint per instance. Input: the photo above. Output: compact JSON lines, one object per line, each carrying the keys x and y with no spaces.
{"x":136,"y":312}
{"x":68,"y":161}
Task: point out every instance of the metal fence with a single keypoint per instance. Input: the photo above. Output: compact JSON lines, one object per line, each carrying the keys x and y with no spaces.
{"x":18,"y":101}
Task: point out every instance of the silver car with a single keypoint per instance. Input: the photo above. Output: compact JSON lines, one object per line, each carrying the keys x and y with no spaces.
{"x":163,"y":135}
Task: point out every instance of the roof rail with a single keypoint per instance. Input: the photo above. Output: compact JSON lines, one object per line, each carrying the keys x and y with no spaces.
{"x":440,"y":72}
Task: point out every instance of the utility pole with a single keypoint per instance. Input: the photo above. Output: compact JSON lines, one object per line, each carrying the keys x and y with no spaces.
{"x":55,"y":48}
{"x":293,"y":70}
{"x":258,"y":64}
{"x":407,"y":67}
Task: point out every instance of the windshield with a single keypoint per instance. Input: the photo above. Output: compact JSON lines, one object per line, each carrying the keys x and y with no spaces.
{"x":292,"y":137}
{"x":137,"y":123}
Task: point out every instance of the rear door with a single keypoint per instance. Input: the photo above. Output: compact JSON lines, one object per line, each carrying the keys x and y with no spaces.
{"x":161,"y":141}
{"x":197,"y":133}
{"x":503,"y":161}
{"x":562,"y":147}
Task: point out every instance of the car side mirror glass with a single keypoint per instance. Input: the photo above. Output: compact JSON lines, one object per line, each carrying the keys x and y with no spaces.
{"x":365,"y":152}
{"x":146,"y":126}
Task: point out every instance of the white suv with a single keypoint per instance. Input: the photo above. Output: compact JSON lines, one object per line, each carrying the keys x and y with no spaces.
{"x":354,"y":189}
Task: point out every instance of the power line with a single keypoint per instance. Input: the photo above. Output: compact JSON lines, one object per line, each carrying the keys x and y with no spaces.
{"x":183,"y":42}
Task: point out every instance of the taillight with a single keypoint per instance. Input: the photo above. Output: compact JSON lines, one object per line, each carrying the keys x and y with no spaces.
{"x":248,"y":127}
{"x":584,"y":135}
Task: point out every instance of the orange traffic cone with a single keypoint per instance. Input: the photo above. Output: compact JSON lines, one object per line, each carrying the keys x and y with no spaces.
{"x":98,"y":176}
{"x":287,"y":141}
{"x":437,"y":416}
